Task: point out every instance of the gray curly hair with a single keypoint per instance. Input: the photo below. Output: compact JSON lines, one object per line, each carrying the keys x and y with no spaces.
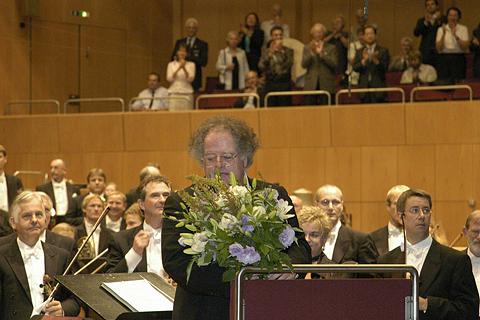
{"x":244,"y":137}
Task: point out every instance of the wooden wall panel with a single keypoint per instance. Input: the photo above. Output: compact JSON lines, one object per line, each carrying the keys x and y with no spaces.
{"x":379,"y":172}
{"x":451,"y":217}
{"x":374,"y":215}
{"x":454,"y":172}
{"x":271,"y":164}
{"x":442,"y":122}
{"x":368,"y":125}
{"x":87,"y":133}
{"x":249,"y":116}
{"x":307,"y":168}
{"x":343,"y":168}
{"x":416,"y":167}
{"x":110,"y":162}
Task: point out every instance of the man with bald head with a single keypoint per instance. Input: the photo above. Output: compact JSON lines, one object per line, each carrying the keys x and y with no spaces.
{"x":343,"y":244}
{"x":62,"y":192}
{"x":148,"y":171}
{"x":390,"y":236}
{"x":471,"y":231}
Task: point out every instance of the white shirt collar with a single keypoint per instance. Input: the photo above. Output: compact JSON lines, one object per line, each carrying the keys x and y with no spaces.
{"x":474,"y":258}
{"x":393,"y":230}
{"x":155,"y":233}
{"x":2,"y":177}
{"x":43,"y":236}
{"x":27,"y":251}
{"x":420,"y":246}
{"x":59,"y":184}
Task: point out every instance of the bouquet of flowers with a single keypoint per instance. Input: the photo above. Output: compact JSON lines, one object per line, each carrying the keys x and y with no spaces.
{"x":234,"y":226}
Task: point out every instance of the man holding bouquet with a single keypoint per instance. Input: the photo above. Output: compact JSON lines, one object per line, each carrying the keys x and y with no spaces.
{"x":224,"y":148}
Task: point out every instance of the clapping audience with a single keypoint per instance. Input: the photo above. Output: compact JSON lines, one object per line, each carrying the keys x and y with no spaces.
{"x":251,"y":40}
{"x":180,"y":74}
{"x":417,"y":72}
{"x":232,"y":64}
{"x":400,"y":61}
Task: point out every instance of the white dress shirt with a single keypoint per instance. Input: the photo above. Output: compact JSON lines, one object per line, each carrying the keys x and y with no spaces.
{"x":61,"y":199}
{"x":158,"y":104}
{"x":95,"y":236}
{"x":3,"y":192}
{"x":450,"y":43}
{"x":153,"y":251}
{"x":113,"y":225}
{"x":475,"y":269}
{"x":417,"y":253}
{"x":332,"y":239}
{"x":34,"y":262}
{"x":395,"y":237}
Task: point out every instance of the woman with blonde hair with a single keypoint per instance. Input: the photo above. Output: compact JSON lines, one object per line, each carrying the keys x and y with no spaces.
{"x":232,"y":64}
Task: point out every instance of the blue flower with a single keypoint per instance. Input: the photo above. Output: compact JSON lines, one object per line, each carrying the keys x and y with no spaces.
{"x":245,"y":224}
{"x":249,"y":256}
{"x":287,"y":236}
{"x":235,"y":249}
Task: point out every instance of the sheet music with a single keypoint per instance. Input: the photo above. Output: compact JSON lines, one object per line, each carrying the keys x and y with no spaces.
{"x":139,"y":295}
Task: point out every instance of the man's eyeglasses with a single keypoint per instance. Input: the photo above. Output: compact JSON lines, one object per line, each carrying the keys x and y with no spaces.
{"x":211,"y":159}
{"x":327,"y":202}
{"x":416,"y":210}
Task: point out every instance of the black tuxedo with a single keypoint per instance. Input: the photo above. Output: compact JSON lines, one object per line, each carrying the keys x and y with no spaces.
{"x":119,"y":246}
{"x":5,"y":228}
{"x":429,"y":35}
{"x":132,"y":196}
{"x":104,"y":239}
{"x":72,"y":193}
{"x":352,"y":246}
{"x":198,"y":54}
{"x":14,"y":187}
{"x":15,"y":299}
{"x":256,"y":43}
{"x":446,"y":281}
{"x":372,"y":75}
{"x":206,"y":296}
{"x":379,"y":238}
{"x":51,"y":238}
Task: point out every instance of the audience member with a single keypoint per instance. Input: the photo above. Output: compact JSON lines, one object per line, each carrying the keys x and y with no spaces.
{"x":180,"y":74}
{"x":197,"y":51}
{"x":61,"y":191}
{"x":133,"y":195}
{"x":92,"y":207}
{"x":252,"y":85}
{"x":24,"y":260}
{"x":154,"y":90}
{"x":339,"y":38}
{"x":471,"y":231}
{"x":452,"y":43}
{"x":110,"y":188}
{"x":232,"y":64}
{"x":10,"y":186}
{"x":400,"y":61}
{"x":251,"y":40}
{"x":96,"y":183}
{"x":321,"y":60}
{"x":447,"y":287}
{"x":139,"y":249}
{"x":64,"y":229}
{"x":117,"y":202}
{"x":371,"y":63}
{"x":475,"y":49}
{"x":390,"y":236}
{"x":343,"y":244}
{"x":316,"y":226}
{"x":276,"y":65}
{"x":276,"y":21}
{"x":352,"y":51}
{"x":426,"y":28}
{"x":5,"y":228}
{"x":417,"y":72}
{"x":133,"y":216}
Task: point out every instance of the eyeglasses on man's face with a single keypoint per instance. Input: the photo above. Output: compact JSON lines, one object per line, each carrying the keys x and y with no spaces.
{"x":226,"y":159}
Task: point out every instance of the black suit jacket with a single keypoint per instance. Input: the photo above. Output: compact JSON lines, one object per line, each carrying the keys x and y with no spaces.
{"x":372,"y":75}
{"x":206,"y":296}
{"x":51,"y":238}
{"x":121,"y":242}
{"x":446,"y":281}
{"x":256,"y":43}
{"x":352,"y":246}
{"x":14,"y":187}
{"x":198,"y":54}
{"x":15,"y":299}
{"x":72,"y":193}
{"x":379,"y":238}
{"x":5,"y":228}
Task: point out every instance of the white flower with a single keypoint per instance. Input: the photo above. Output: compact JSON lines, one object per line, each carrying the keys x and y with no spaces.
{"x":228,"y":222}
{"x":199,"y":242}
{"x":274,"y":194}
{"x":283,"y":208}
{"x":221,"y":201}
{"x":239,"y":192}
{"x":259,"y":211}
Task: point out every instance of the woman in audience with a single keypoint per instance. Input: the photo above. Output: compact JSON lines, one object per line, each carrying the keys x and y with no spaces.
{"x":352,"y":50}
{"x":475,"y":48}
{"x":400,"y":61}
{"x":251,"y":40}
{"x":232,"y":64}
{"x":180,"y":74}
{"x":452,"y":43}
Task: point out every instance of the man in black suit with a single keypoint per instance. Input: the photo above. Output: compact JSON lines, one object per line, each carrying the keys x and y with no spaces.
{"x":62,"y":192}
{"x":371,"y":62}
{"x":197,"y":51}
{"x":390,"y":236}
{"x":343,"y":244}
{"x":134,"y":194}
{"x":96,"y":184}
{"x":5,"y":228}
{"x":447,"y":289}
{"x":10,"y":186}
{"x":221,"y":145}
{"x":25,"y":260}
{"x":471,"y":231}
{"x":138,"y":249}
{"x":114,"y":221}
